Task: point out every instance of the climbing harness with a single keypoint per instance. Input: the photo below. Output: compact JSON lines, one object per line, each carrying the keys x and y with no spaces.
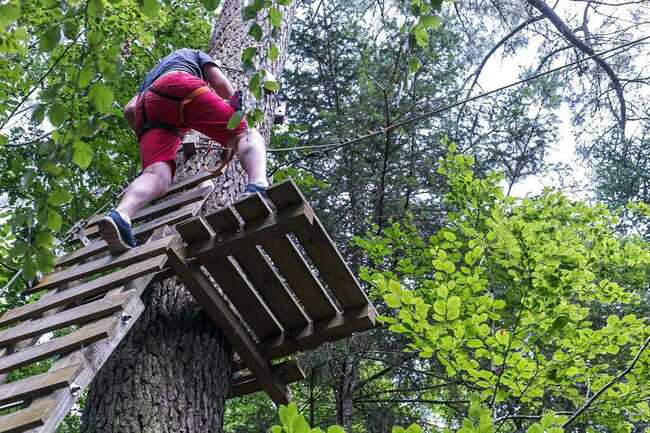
{"x":156,"y":124}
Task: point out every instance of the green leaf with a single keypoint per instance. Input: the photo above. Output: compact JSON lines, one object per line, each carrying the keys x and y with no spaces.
{"x":59,"y":196}
{"x":535,"y":428}
{"x":273,"y":53}
{"x":151,"y":8}
{"x":101,"y":96}
{"x":54,"y":220}
{"x":9,"y":13}
{"x":44,"y":240}
{"x":335,"y":429}
{"x":249,"y":12}
{"x":248,"y":53}
{"x":44,"y":259}
{"x":50,"y":38}
{"x":39,"y":113}
{"x":421,"y":35}
{"x":27,"y":178}
{"x":57,"y":113}
{"x":95,"y":7}
{"x":235,"y":119}
{"x":431,"y":22}
{"x":414,"y":65}
{"x":414,"y":428}
{"x":85,"y":75}
{"x":271,"y":86}
{"x":275,"y":17}
{"x":453,"y":308}
{"x":210,"y":4}
{"x":82,"y":154}
{"x":256,"y":32}
{"x":392,"y":301}
{"x":560,"y":322}
{"x":284,"y":2}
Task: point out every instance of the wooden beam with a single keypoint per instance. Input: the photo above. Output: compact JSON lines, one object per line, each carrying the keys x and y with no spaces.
{"x":137,"y":254}
{"x":85,"y":336}
{"x":320,"y":332}
{"x":286,"y":221}
{"x":288,"y":371}
{"x":190,"y":182}
{"x":24,"y":419}
{"x":163,"y":207}
{"x":218,"y":310}
{"x":293,"y":267}
{"x":85,"y":290}
{"x":83,"y":313}
{"x":331,"y":265}
{"x":41,"y":384}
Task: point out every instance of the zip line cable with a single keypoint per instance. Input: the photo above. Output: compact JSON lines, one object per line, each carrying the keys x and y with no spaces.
{"x":334,"y":146}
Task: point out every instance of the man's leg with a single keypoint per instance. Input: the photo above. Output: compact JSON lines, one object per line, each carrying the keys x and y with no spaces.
{"x":115,"y":227}
{"x":151,"y":184}
{"x":250,"y":147}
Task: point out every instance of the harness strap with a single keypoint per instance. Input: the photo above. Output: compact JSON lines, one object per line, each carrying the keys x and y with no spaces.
{"x":189,"y":98}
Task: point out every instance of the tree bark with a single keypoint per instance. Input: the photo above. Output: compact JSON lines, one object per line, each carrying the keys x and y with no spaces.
{"x":172,"y":372}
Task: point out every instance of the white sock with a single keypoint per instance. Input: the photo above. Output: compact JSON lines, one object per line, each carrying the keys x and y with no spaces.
{"x":124,"y":216}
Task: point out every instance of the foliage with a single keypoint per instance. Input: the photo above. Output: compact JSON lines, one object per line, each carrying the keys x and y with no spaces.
{"x":526,"y":301}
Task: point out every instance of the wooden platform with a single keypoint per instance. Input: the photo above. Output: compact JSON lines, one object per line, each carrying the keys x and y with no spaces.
{"x":266,"y":273}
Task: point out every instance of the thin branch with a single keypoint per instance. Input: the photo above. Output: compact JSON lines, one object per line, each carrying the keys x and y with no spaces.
{"x":608,"y":384}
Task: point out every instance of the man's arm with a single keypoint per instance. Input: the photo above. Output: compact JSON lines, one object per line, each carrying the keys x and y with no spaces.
{"x":218,"y":81}
{"x":129,"y":111}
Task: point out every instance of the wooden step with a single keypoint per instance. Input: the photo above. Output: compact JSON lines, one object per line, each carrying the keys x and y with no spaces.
{"x":39,"y":385}
{"x":57,"y":346}
{"x":141,"y":232}
{"x":136,"y":254}
{"x":162,"y":207}
{"x":83,"y":313}
{"x":32,"y":417}
{"x":85,"y":290}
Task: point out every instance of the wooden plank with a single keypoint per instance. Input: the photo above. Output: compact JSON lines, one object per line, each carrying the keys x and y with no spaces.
{"x":136,"y":254}
{"x":39,"y":385}
{"x":252,"y":208}
{"x":244,"y":298}
{"x":224,"y":220}
{"x":144,"y":230}
{"x":24,"y":419}
{"x":218,"y":310}
{"x":58,"y":346}
{"x":280,"y":301}
{"x":318,"y":333}
{"x":195,"y":230}
{"x":140,"y":232}
{"x":301,"y":279}
{"x":190,"y":182}
{"x":285,"y":194}
{"x":163,"y":207}
{"x":286,"y":221}
{"x":85,"y":290}
{"x":288,"y":372}
{"x":331,"y":265}
{"x":80,"y":314}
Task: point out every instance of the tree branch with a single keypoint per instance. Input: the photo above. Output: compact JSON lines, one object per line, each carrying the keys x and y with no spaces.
{"x":570,"y":36}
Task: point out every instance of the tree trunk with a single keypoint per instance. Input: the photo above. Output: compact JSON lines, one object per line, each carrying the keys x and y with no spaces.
{"x":172,"y":372}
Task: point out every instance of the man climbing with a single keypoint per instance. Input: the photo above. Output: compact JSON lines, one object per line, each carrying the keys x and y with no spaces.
{"x":186,"y":90}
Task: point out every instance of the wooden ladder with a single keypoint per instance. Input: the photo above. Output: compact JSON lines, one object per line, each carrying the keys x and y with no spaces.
{"x":272,"y":280}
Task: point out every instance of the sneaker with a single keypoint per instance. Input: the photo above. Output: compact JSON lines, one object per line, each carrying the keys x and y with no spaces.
{"x":117,"y":233}
{"x":251,"y":189}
